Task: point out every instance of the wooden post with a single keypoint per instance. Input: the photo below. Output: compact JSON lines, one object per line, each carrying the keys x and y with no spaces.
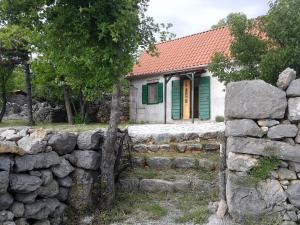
{"x":193,"y":93}
{"x":165,"y":100}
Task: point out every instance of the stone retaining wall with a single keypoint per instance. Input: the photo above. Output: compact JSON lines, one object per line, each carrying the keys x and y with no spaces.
{"x":42,"y":172}
{"x":263,"y":136}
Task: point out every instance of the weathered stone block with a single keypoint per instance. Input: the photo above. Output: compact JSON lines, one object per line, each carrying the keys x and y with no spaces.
{"x":23,"y":183}
{"x":241,"y":128}
{"x":63,"y":169}
{"x":90,"y":140}
{"x":182,"y":185}
{"x":285,"y":78}
{"x":267,"y":101}
{"x":87,"y":159}
{"x":293,"y":192}
{"x":285,"y":174}
{"x":294,"y":109}
{"x":6,"y":162}
{"x":11,"y":147}
{"x":294,"y":89}
{"x":129,"y":184}
{"x":32,"y":145}
{"x":159,"y":162}
{"x":6,"y":200}
{"x":41,"y":209}
{"x":282,"y":131}
{"x":17,"y":209}
{"x":63,"y":142}
{"x":48,"y":191}
{"x":185,"y":162}
{"x":267,"y":123}
{"x":156,"y":186}
{"x":240,"y":162}
{"x":4,"y":181}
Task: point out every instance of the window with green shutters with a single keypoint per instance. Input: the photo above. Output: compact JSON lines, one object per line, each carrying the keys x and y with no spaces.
{"x":204,"y":98}
{"x":176,"y":99}
{"x":152,"y":93}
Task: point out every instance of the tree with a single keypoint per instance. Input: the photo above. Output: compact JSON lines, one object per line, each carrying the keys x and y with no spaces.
{"x":263,"y":47}
{"x":228,"y":20}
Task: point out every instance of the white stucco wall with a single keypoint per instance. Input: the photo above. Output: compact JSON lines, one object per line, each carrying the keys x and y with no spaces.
{"x":155,"y":113}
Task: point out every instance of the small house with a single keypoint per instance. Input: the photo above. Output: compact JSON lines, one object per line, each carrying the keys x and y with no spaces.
{"x":176,"y":86}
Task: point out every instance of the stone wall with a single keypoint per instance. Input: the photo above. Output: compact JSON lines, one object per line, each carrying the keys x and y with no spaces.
{"x":263,"y":136}
{"x":42,"y":172}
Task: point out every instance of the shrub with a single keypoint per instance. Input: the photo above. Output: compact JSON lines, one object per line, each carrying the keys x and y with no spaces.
{"x":219,"y":119}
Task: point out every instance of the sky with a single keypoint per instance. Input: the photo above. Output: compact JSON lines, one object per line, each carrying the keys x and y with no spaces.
{"x":193,"y":16}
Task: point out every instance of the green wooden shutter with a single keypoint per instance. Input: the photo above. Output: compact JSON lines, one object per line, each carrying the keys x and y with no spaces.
{"x":176,"y":100}
{"x":204,"y":98}
{"x":145,"y":94}
{"x":160,"y":92}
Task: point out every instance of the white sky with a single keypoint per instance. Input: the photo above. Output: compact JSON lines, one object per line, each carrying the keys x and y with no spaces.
{"x":192,"y":16}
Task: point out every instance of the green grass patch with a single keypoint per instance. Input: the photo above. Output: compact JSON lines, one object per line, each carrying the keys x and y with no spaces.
{"x":154,"y":211}
{"x":198,"y":215}
{"x":264,"y":166}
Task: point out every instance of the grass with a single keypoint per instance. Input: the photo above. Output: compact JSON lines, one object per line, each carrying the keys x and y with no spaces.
{"x":58,"y":126}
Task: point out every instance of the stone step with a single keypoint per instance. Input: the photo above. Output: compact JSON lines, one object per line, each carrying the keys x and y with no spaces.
{"x":161,"y":162}
{"x":177,"y":147}
{"x":160,"y":185}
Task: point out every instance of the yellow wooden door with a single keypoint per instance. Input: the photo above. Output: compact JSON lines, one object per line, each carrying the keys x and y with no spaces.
{"x":186,"y":99}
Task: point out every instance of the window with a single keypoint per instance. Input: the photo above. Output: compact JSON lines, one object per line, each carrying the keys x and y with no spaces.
{"x":152,"y":93}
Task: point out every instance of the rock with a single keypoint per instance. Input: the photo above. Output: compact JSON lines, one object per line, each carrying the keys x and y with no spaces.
{"x":153,"y":148}
{"x":138,"y":161}
{"x":282,"y":131}
{"x":6,"y":201}
{"x":211,"y":147}
{"x":43,"y":222}
{"x":297,"y":139}
{"x":21,"y":221}
{"x":263,"y":147}
{"x":39,"y":134}
{"x":207,"y":164}
{"x":65,"y":182}
{"x":289,"y":141}
{"x":41,"y":209}
{"x":6,"y":162}
{"x":63,"y":194}
{"x":294,"y":109}
{"x":46,"y":176}
{"x":241,"y":163}
{"x":267,"y":101}
{"x":165,"y":147}
{"x":63,"y":142}
{"x":222,"y":209}
{"x":285,"y":174}
{"x":32,"y":145}
{"x":294,"y":166}
{"x":6,"y":216}
{"x":288,"y":223}
{"x":17,"y":209}
{"x":23,"y":183}
{"x":185,"y":162}
{"x":244,"y":127}
{"x":4,"y":181}
{"x":10,"y":135}
{"x":129,"y":184}
{"x":159,"y":162}
{"x":35,"y":173}
{"x":26,"y":198}
{"x":71,"y":158}
{"x":182,"y":185}
{"x":156,"y":185}
{"x":200,"y":185}
{"x":267,"y":123}
{"x":39,"y":161}
{"x":48,"y":191}
{"x":285,"y":78}
{"x":87,"y":159}
{"x":11,"y":147}
{"x":181,"y":147}
{"x":293,"y":193}
{"x":294,"y":89}
{"x":140,"y":148}
{"x":213,"y":207}
{"x":90,"y":140}
{"x":194,"y":147}
{"x":63,"y":169}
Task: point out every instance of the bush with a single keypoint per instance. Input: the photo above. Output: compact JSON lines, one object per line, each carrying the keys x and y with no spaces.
{"x":219,"y":119}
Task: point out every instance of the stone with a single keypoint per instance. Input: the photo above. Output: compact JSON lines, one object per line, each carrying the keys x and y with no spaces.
{"x":200,"y":185}
{"x":241,"y":128}
{"x":138,"y":161}
{"x":41,"y":209}
{"x":89,"y":160}
{"x":294,"y":89}
{"x":182,"y":185}
{"x":185,"y":162}
{"x":65,"y":182}
{"x":35,"y":173}
{"x":222,"y":209}
{"x":11,"y":147}
{"x":165,"y":147}
{"x":294,"y":109}
{"x":211,"y":147}
{"x":213,"y":207}
{"x":181,"y":147}
{"x":289,"y":141}
{"x":128,"y":184}
{"x":263,"y":147}
{"x":293,"y":193}
{"x":48,"y":191}
{"x":21,"y":221}
{"x":292,"y":215}
{"x":10,"y":135}
{"x":159,"y":162}
{"x":267,"y":123}
{"x":39,"y":161}
{"x":294,"y":166}
{"x":63,"y":169}
{"x":63,"y":194}
{"x":297,"y":139}
{"x":46,"y":176}
{"x":6,"y":216}
{"x":23,"y":183}
{"x":90,"y":140}
{"x":140,"y":148}
{"x":17,"y":209}
{"x":206,"y":164}
{"x":285,"y":78}
{"x":267,"y":101}
{"x":288,"y":223}
{"x":32,"y":145}
{"x":43,"y":222}
{"x":194,"y":147}
{"x":6,"y":200}
{"x":282,"y":131}
{"x":240,"y":162}
{"x":6,"y":162}
{"x":26,"y":198}
{"x":39,"y":134}
{"x":63,"y":142}
{"x":71,"y":158}
{"x":4,"y":181}
{"x":156,"y":186}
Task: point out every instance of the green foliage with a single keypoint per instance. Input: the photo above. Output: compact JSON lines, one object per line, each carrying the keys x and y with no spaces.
{"x":263,"y":47}
{"x":219,"y":119}
{"x":226,"y":21}
{"x":264,"y":166}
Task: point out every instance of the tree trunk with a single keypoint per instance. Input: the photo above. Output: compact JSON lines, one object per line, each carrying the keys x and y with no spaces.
{"x":68,"y":104}
{"x":109,"y":152}
{"x":29,"y":94}
{"x":82,"y":103}
{"x":4,"y":99}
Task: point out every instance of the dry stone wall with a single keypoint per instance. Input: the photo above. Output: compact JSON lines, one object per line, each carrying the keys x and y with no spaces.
{"x":263,"y":124}
{"x":43,"y":172}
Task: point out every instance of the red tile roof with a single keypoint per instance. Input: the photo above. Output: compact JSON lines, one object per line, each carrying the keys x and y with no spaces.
{"x":184,"y":53}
